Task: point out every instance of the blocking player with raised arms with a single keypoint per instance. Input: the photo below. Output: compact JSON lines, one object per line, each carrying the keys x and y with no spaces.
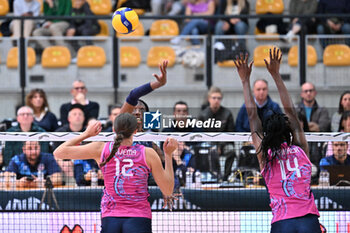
{"x":283,"y":155}
{"x":125,"y":167}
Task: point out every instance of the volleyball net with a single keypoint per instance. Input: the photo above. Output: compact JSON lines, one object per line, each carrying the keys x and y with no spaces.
{"x":217,"y":175}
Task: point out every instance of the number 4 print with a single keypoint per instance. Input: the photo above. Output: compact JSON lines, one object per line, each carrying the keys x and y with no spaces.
{"x":289,"y":168}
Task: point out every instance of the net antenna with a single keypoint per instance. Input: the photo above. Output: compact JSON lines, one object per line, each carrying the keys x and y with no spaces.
{"x":50,"y":195}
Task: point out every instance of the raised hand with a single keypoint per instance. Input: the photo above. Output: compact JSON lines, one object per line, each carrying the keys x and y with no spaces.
{"x":170,"y":144}
{"x":162,"y":78}
{"x":244,"y":70}
{"x":93,"y":129}
{"x":275,"y":61}
{"x":169,"y":200}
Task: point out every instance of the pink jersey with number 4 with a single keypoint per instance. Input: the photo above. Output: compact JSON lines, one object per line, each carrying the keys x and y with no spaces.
{"x":288,"y":178}
{"x":125,"y":178}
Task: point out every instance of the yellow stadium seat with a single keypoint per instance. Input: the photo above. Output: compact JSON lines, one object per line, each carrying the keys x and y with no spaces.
{"x":4,"y":7}
{"x":12,"y":58}
{"x":164,"y":27}
{"x":228,"y":63}
{"x":100,"y":7}
{"x":55,"y":57}
{"x":129,"y":56}
{"x":159,"y":53}
{"x":260,"y":53}
{"x":91,"y":56}
{"x":293,"y":56}
{"x":336,"y":55}
{"x":269,"y":6}
{"x":104,"y":30}
{"x":135,"y":35}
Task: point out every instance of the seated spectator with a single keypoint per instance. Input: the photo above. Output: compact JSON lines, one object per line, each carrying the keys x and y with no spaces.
{"x":339,"y":157}
{"x":181,"y":117}
{"x":344,"y":126}
{"x":27,"y":164}
{"x":36,"y":99}
{"x":133,"y":4}
{"x":183,"y":160}
{"x":79,"y":92}
{"x":54,"y":27}
{"x":228,"y":48}
{"x":75,"y":124}
{"x":333,"y":25}
{"x":302,"y":7}
{"x":235,"y":26}
{"x":317,"y":118}
{"x":24,"y":8}
{"x":271,"y":25}
{"x":344,"y":105}
{"x":114,"y":111}
{"x":81,"y":27}
{"x":195,"y":27}
{"x":25,"y":119}
{"x":83,"y":170}
{"x":175,"y":7}
{"x":216,"y":112}
{"x":264,"y":104}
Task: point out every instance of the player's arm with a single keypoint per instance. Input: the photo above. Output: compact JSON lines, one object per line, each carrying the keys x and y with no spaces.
{"x":297,"y":131}
{"x":244,"y":70}
{"x":135,"y":94}
{"x":72,"y":150}
{"x":163,"y":177}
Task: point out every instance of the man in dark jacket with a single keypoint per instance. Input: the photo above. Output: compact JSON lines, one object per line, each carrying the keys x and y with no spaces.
{"x":317,"y":118}
{"x":264,"y":105}
{"x":217,"y":113}
{"x":79,"y":91}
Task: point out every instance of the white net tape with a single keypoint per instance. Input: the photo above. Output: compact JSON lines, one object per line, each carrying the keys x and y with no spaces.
{"x":151,"y":136}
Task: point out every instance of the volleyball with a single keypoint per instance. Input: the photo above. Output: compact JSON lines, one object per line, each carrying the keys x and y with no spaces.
{"x":125,"y":20}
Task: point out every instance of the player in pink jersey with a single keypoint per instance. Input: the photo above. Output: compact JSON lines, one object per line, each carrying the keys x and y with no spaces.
{"x":125,"y":167}
{"x":282,"y":152}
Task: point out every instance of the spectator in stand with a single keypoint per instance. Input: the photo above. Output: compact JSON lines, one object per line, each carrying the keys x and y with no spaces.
{"x":302,"y":7}
{"x":344,"y":126}
{"x":24,"y":8}
{"x":27,"y":164}
{"x":81,"y":27}
{"x":235,"y":26}
{"x":75,"y":124}
{"x":263,"y":102}
{"x":317,"y":118}
{"x":54,"y":27}
{"x":181,"y":116}
{"x":114,"y":111}
{"x":183,"y":161}
{"x":195,"y":27}
{"x":216,"y":112}
{"x":333,"y":25}
{"x":83,"y":170}
{"x":175,"y":7}
{"x":79,"y":91}
{"x":36,"y":99}
{"x":25,"y":119}
{"x":339,"y":156}
{"x":344,"y":105}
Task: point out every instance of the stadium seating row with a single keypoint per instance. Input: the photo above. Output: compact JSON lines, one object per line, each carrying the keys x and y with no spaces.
{"x":104,"y":7}
{"x":94,"y":56}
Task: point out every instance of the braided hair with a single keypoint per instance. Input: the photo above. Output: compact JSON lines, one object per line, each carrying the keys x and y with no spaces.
{"x":276,"y":130}
{"x":125,"y":125}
